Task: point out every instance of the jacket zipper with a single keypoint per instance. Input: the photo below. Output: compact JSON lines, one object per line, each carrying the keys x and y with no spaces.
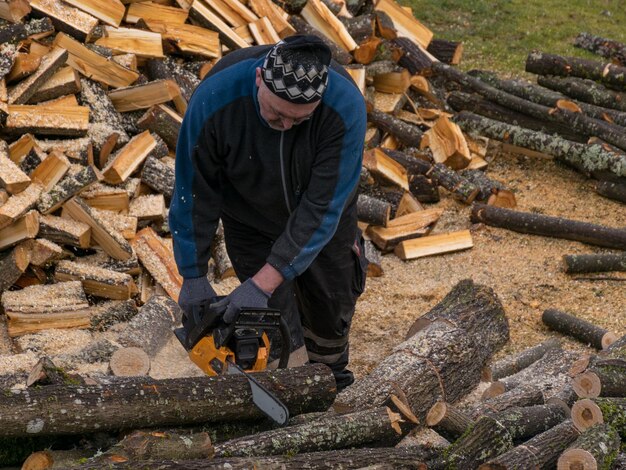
{"x":282,"y":173}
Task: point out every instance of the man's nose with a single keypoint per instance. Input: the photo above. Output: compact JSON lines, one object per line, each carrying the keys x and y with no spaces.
{"x":287,"y":123}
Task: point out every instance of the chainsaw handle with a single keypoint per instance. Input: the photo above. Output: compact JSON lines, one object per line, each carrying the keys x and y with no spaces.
{"x":285,"y":350}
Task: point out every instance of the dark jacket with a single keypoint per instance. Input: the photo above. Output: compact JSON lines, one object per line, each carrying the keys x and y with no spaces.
{"x":291,"y":186}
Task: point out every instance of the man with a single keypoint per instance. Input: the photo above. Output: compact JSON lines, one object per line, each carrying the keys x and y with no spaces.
{"x":272,"y":143}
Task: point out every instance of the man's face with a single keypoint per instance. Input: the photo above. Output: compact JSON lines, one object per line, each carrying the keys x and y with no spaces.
{"x":280,"y":114}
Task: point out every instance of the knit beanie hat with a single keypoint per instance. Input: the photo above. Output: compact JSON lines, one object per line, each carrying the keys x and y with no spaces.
{"x":296,"y":69}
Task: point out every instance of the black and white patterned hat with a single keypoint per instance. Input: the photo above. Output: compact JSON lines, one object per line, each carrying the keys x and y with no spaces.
{"x":296,"y":69}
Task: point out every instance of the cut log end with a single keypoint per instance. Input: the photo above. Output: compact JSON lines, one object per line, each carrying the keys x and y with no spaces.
{"x":128,"y":362}
{"x":494,"y":390}
{"x":580,"y":365}
{"x":585,"y":413}
{"x":436,"y":413}
{"x":608,"y":339}
{"x":577,"y":459}
{"x":587,"y":385}
{"x":38,"y":461}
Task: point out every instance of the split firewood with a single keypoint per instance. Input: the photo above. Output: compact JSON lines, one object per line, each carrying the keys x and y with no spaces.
{"x":388,"y":103}
{"x":578,"y":328}
{"x":539,"y":224}
{"x":148,"y":94}
{"x":515,"y":363}
{"x":159,"y":175}
{"x":66,"y":18}
{"x":405,"y":23}
{"x":591,"y":411}
{"x":592,"y":263}
{"x":106,"y":197}
{"x":189,"y":39}
{"x":139,"y":42}
{"x":163,"y":121}
{"x":130,"y":157}
{"x":12,"y":178}
{"x":321,"y":18}
{"x":14,"y":10}
{"x":204,"y":399}
{"x":50,"y":63}
{"x":74,"y":182}
{"x":210,"y":20}
{"x":18,"y":205}
{"x":113,"y":313}
{"x":608,"y":74}
{"x":375,"y":265}
{"x":47,"y":120}
{"x":101,"y":232}
{"x":124,"y":225}
{"x":99,"y":282}
{"x":24,"y":228}
{"x":158,"y":259}
{"x":223,"y":266}
{"x":64,"y":231}
{"x":447,"y":144}
{"x":35,"y":308}
{"x":433,"y":367}
{"x":615,"y":191}
{"x":585,"y":90}
{"x":409,"y":226}
{"x":360,"y":27}
{"x":77,"y":150}
{"x":43,"y":251}
{"x":153,"y":11}
{"x":406,"y":133}
{"x":542,"y":451}
{"x":595,"y":448}
{"x":340,"y":54}
{"x":13,"y":263}
{"x":387,"y":169}
{"x":150,"y":207}
{"x":434,"y":244}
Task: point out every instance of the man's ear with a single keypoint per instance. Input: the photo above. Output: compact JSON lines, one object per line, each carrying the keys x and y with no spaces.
{"x":258,"y":77}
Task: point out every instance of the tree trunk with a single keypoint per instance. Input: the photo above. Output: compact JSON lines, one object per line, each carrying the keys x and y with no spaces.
{"x":612,"y":133}
{"x":442,"y":361}
{"x":611,"y":75}
{"x":549,"y":226}
{"x":547,"y":97}
{"x":616,"y":191}
{"x":134,"y":403}
{"x":476,"y":104}
{"x":542,"y":451}
{"x":586,"y":158}
{"x":590,"y":411}
{"x":378,"y":425}
{"x":578,"y":328}
{"x":448,"y":421}
{"x":407,"y":134}
{"x":403,"y":458}
{"x":515,"y":363}
{"x":602,"y":46}
{"x":585,"y":90}
{"x":487,"y":438}
{"x":595,"y":449}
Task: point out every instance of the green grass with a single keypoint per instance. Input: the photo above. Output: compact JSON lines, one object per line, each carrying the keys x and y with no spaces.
{"x":498,"y":35}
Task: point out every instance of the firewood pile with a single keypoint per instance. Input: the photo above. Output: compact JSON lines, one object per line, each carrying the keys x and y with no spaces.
{"x":92,"y":95}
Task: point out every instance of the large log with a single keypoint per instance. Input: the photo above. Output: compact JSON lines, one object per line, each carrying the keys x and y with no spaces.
{"x":443,"y":360}
{"x":602,"y":46}
{"x":542,"y":451}
{"x":611,"y":133}
{"x":605,"y":378}
{"x":578,"y":328}
{"x":378,"y":425}
{"x":593,"y":263}
{"x":549,"y":226}
{"x":524,"y":422}
{"x":585,"y":90}
{"x":590,"y":159}
{"x":595,"y":449}
{"x":611,"y":75}
{"x":590,"y":411}
{"x":72,"y":409}
{"x":612,"y":190}
{"x":516,"y":362}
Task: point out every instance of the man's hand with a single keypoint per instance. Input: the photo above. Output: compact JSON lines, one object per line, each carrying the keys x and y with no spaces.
{"x":194,"y":291}
{"x":247,"y":295}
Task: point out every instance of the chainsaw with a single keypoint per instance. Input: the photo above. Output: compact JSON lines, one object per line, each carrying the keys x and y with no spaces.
{"x":239,"y":347}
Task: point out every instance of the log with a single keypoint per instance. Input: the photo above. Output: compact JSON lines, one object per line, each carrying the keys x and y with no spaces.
{"x":163,"y":121}
{"x":189,"y":40}
{"x":424,"y":189}
{"x":542,"y":451}
{"x":66,"y":18}
{"x":149,"y":207}
{"x":106,"y":197}
{"x":524,"y":422}
{"x":155,"y":403}
{"x":434,"y":367}
{"x":402,"y":228}
{"x":602,"y":46}
{"x":611,"y":75}
{"x":476,"y":104}
{"x":611,"y":133}
{"x":586,"y":158}
{"x":585,"y":90}
{"x":485,"y":439}
{"x":113,"y":313}
{"x":520,"y":396}
{"x":615,"y":191}
{"x":129,"y":158}
{"x":373,"y":211}
{"x":578,"y":328}
{"x":385,"y":169}
{"x":50,"y":171}
{"x":592,"y":263}
{"x":153,"y":11}
{"x":407,"y":134}
{"x":549,"y":226}
{"x":207,"y":18}
{"x":360,"y":27}
{"x":375,"y":264}
{"x":99,"y":282}
{"x":447,"y":144}
{"x":461,"y":188}
{"x":448,"y":421}
{"x":596,"y":448}
{"x":604,"y":378}
{"x":141,"y":43}
{"x":405,"y":23}
{"x":448,"y":52}
{"x":22,"y":229}
{"x":378,"y":425}
{"x":50,"y":63}
{"x":591,"y":411}
{"x":159,"y":175}
{"x":517,"y":362}
{"x":64,"y":232}
{"x":129,"y":362}
{"x":13,"y":263}
{"x":412,"y":56}
{"x":145,"y":95}
{"x":73,"y":183}
{"x":146,"y":329}
{"x":43,"y":251}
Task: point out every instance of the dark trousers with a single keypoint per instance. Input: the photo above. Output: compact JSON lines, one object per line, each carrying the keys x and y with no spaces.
{"x":319,"y":304}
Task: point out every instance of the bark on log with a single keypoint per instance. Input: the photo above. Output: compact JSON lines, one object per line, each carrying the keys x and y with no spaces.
{"x":486,"y":439}
{"x":549,"y":226}
{"x":168,"y":68}
{"x":602,"y":46}
{"x":594,"y":263}
{"x":524,"y":422}
{"x":612,"y":133}
{"x":486,"y":185}
{"x":611,"y":75}
{"x":163,"y":121}
{"x":424,"y":189}
{"x":520,"y":396}
{"x":448,"y":52}
{"x":443,"y":359}
{"x":578,"y":328}
{"x":611,"y":190}
{"x":605,"y":378}
{"x":223,"y":265}
{"x":403,"y":458}
{"x":586,"y":158}
{"x":407,"y":134}
{"x":596,"y":448}
{"x":360,"y":27}
{"x":159,"y":175}
{"x":448,"y":421}
{"x":13,"y":263}
{"x":413,"y":58}
{"x":69,"y":186}
{"x":516,"y":362}
{"x":476,"y":104}
{"x":590,"y":411}
{"x":542,"y":451}
{"x":378,"y":425}
{"x":585,"y":90}
{"x":132,"y":404}
{"x":373,"y":211}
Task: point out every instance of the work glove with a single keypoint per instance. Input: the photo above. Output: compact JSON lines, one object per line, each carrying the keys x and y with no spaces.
{"x":247,"y":295}
{"x":194,"y":291}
